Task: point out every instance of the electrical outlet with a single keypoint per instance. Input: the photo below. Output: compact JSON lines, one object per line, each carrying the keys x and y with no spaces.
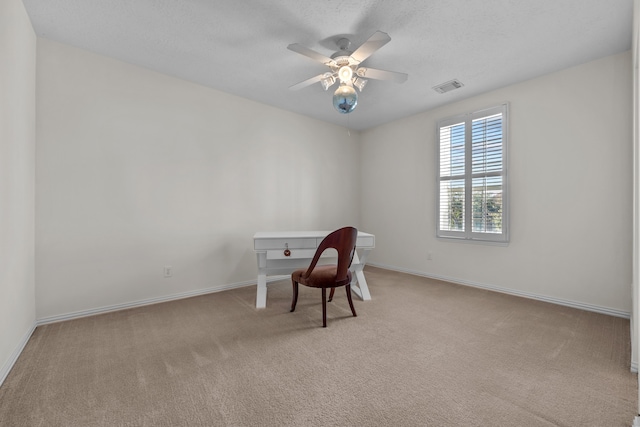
{"x":168,"y":271}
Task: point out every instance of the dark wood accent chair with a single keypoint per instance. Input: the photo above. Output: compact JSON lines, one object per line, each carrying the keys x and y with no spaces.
{"x":329,"y":276}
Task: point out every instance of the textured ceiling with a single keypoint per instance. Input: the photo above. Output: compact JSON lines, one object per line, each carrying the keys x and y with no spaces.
{"x":240,"y":47}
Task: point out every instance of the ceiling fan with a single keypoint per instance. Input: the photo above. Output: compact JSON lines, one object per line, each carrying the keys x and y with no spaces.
{"x":345,"y":67}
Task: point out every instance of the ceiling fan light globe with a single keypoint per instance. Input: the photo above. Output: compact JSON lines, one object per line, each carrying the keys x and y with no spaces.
{"x":345,"y":73}
{"x":327,"y":81}
{"x":359,"y":83}
{"x":345,"y":99}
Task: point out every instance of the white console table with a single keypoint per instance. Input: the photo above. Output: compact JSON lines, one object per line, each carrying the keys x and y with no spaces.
{"x":282,"y":252}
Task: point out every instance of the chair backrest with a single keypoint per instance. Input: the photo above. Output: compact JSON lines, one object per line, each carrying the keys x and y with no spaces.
{"x":342,"y":240}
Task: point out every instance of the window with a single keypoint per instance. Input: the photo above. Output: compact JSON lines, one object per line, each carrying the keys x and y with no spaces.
{"x":472,"y":176}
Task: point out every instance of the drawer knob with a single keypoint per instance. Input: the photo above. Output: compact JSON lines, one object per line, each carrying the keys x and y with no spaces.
{"x":287,"y":252}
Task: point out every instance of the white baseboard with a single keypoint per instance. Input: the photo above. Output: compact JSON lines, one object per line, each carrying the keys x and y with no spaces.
{"x":6,"y":368}
{"x":219,"y":288}
{"x":149,"y":301}
{"x":559,"y":301}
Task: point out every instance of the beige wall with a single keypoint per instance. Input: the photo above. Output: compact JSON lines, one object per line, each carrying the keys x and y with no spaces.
{"x":137,"y":170}
{"x":17,"y":142}
{"x":570,"y":171}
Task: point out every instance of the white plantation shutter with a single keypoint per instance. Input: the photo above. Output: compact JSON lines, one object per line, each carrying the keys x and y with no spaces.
{"x":452,"y":166}
{"x":472,"y":176}
{"x":486,"y":144}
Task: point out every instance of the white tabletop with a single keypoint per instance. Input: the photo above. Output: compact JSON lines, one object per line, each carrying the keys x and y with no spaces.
{"x":296,"y":234}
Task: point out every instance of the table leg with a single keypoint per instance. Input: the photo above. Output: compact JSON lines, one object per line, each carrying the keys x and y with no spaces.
{"x":261,"y":294}
{"x":362,"y":290}
{"x":261,"y":288}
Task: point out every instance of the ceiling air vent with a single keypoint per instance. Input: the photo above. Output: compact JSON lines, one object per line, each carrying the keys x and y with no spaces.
{"x":448,"y":86}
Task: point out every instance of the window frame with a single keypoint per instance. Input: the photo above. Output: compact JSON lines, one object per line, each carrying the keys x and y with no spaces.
{"x":468,"y":235}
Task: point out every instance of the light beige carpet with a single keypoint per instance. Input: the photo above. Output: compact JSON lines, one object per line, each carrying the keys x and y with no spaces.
{"x":421,"y":353}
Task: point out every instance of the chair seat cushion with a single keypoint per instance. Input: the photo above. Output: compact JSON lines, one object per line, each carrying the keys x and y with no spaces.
{"x":323,"y":276}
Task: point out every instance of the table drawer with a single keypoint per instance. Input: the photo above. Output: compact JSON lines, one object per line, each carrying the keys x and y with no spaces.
{"x":366,"y":241}
{"x":294,"y":253}
{"x":265,"y":244}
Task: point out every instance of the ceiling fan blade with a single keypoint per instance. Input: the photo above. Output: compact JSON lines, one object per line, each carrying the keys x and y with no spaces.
{"x":298,"y":48}
{"x":372,"y":73}
{"x":307,"y":82}
{"x":375,"y":42}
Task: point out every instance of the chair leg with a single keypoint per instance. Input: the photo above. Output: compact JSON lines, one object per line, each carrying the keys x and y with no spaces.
{"x":331,"y":294}
{"x":295,"y":295}
{"x":324,"y":307}
{"x":353,"y":310}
